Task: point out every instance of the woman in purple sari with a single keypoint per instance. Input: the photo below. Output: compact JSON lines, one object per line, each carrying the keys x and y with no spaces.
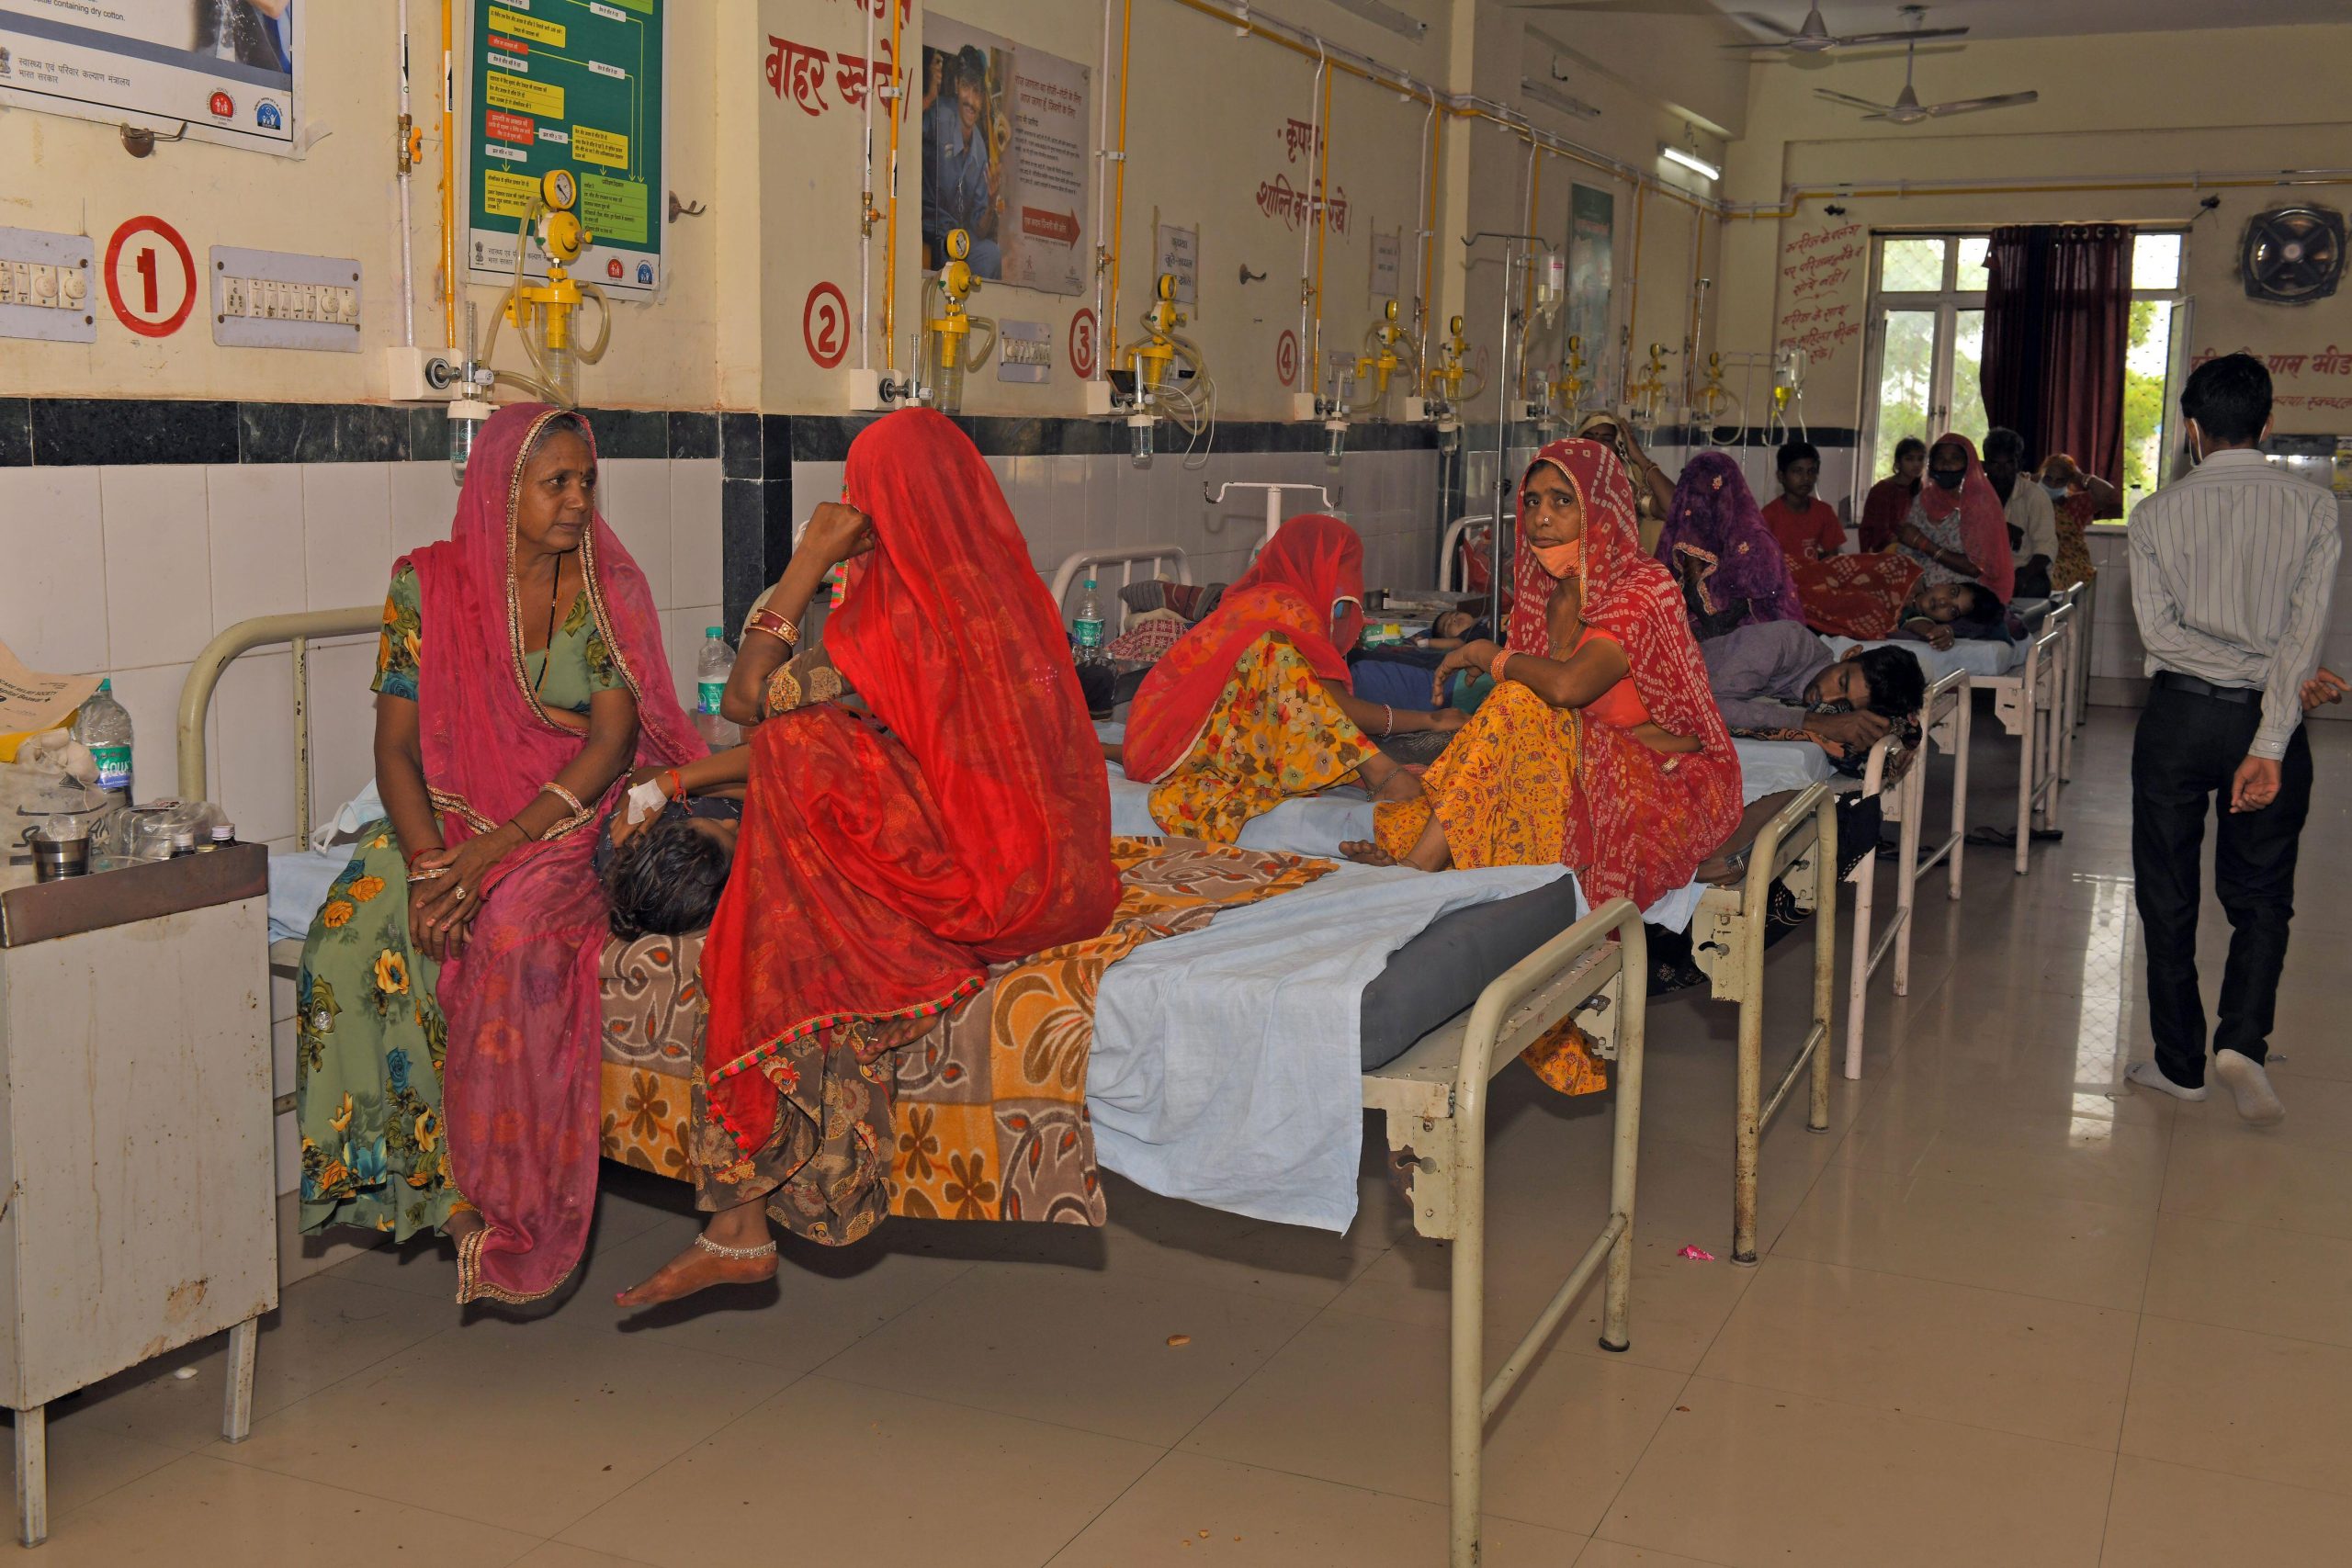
{"x":1729,"y":566}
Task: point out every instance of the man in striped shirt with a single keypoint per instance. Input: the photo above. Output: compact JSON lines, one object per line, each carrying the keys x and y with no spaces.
{"x":2232,"y":572}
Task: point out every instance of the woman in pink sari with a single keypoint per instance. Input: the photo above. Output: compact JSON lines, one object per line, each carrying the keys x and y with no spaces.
{"x":521,"y":674}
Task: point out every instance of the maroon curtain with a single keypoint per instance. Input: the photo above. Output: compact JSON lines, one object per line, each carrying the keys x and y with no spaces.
{"x":2057,"y":322}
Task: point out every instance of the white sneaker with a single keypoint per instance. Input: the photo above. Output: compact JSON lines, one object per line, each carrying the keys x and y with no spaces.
{"x":2247,"y":1080}
{"x":2147,"y":1075}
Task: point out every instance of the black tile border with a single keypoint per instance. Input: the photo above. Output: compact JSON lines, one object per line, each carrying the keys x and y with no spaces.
{"x":16,"y":433}
{"x":86,"y":432}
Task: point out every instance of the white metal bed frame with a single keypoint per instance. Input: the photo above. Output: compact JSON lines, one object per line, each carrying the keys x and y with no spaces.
{"x":1453,"y":577}
{"x":1943,"y":721}
{"x":1126,"y":558}
{"x":2035,"y":703}
{"x":1727,"y":944}
{"x":1432,"y":1097}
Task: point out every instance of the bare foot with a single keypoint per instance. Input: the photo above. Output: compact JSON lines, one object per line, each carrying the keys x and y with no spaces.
{"x":696,"y":1269}
{"x":461,"y":1224}
{"x":1364,"y":852}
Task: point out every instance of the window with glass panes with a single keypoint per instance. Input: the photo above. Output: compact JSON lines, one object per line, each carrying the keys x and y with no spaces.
{"x":1927,"y":348}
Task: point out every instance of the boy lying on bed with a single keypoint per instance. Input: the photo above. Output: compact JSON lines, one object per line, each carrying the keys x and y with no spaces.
{"x":663,"y":874}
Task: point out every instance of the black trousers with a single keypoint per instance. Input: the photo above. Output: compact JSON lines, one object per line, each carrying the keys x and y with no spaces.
{"x":2183,"y":757}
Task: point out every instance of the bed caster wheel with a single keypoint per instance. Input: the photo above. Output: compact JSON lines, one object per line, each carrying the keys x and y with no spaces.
{"x":1616,"y":1349}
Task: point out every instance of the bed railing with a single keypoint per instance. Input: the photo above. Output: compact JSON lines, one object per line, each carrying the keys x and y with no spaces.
{"x":1435,"y":1099}
{"x":264,"y":631}
{"x":1447,"y":566}
{"x":1126,"y":558}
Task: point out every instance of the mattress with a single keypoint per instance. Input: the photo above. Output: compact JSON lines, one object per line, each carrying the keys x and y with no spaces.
{"x":1982,"y":661}
{"x":1457,"y":955}
{"x":1768,"y":767}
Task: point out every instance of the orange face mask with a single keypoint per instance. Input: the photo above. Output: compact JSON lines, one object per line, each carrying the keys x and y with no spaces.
{"x":1560,"y":561}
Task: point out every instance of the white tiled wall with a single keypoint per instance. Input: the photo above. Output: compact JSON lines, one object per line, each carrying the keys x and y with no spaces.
{"x":130,"y":571}
{"x":1067,"y":504}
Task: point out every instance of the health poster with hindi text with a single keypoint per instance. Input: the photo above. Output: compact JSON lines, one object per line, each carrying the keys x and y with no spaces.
{"x":571,"y":84}
{"x":1006,"y":138}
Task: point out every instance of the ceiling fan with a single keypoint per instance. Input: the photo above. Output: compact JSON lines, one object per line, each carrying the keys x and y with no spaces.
{"x":1814,"y":36}
{"x":1906,"y":110}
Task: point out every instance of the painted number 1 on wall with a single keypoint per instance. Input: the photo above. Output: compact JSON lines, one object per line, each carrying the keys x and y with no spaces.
{"x":150,"y":276}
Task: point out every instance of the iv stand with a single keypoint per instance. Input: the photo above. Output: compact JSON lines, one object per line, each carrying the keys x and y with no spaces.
{"x":1516,"y":248}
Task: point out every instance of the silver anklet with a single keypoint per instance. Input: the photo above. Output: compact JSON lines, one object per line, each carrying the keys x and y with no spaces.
{"x":734,"y":1254}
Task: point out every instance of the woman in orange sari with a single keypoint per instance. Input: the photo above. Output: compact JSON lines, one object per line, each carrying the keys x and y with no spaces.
{"x":1255,"y":703}
{"x":1601,"y":747}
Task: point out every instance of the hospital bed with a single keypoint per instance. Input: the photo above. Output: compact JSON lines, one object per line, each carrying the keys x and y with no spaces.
{"x":1943,"y":722}
{"x":2033,"y":687}
{"x":1728,"y":925}
{"x":1432,"y":1095}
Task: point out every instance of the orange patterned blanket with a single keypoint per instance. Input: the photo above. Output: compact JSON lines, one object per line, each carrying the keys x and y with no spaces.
{"x":990,"y":1107}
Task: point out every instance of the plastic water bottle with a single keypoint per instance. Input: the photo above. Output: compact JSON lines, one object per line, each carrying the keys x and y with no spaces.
{"x":104,"y":728}
{"x":718,"y":662}
{"x":1089,"y":628}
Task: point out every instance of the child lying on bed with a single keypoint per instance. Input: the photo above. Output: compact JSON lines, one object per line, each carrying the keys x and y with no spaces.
{"x":663,"y":874}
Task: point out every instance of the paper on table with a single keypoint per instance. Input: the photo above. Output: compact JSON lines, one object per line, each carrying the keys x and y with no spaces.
{"x":30,"y":700}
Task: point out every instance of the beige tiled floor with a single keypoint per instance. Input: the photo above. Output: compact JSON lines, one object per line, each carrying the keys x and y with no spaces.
{"x":2010,"y":1313}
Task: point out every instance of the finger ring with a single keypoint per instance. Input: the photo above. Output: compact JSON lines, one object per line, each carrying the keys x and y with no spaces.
{"x":461,"y":892}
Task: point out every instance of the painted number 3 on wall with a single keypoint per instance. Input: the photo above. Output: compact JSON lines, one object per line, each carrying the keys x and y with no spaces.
{"x":824,"y":325}
{"x":150,"y":276}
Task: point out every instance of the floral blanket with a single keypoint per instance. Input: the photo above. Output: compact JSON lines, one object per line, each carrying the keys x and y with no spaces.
{"x":989,"y":1115}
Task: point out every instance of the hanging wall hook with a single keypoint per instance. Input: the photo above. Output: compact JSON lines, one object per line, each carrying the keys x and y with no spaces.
{"x":681,"y":209}
{"x":1249,"y":276}
{"x":140,"y":140}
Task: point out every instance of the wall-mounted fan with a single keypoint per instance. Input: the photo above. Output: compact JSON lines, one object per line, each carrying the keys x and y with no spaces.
{"x":2293,"y":255}
{"x":1906,"y":109}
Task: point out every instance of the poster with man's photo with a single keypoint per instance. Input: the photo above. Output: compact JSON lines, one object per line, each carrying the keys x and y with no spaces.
{"x":1006,"y":140}
{"x":224,"y":69}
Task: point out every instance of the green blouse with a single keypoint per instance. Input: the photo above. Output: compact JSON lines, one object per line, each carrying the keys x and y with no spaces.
{"x":575,"y":667}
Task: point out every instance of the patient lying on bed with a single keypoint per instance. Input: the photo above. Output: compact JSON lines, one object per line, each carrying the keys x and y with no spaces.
{"x":663,"y":874}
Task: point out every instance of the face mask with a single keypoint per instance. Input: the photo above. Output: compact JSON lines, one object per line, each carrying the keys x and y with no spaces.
{"x":1951,"y":478}
{"x":2056,"y":492}
{"x":1560,"y":561}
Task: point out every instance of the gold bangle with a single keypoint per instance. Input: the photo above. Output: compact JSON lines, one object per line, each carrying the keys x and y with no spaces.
{"x":776,"y":626}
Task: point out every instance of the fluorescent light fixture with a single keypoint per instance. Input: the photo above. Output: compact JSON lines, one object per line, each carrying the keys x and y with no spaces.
{"x":1689,"y":160}
{"x":1387,"y":16}
{"x":1544,"y":92}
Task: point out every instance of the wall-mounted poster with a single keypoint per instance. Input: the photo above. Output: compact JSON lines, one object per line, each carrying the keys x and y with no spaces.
{"x":1591,"y":245}
{"x":1005,"y":139}
{"x":574,"y":86}
{"x":227,"y":70}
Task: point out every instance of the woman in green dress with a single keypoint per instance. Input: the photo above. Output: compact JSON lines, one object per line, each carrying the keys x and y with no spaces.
{"x":450,"y":957}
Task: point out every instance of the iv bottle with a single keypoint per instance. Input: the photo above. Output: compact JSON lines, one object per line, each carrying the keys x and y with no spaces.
{"x":711,"y":670}
{"x":104,"y":728}
{"x":1089,"y":627}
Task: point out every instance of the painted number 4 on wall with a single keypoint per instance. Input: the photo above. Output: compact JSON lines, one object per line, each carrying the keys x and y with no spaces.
{"x":150,"y":276}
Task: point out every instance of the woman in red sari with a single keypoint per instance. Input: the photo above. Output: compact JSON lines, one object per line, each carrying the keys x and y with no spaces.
{"x":1255,"y":703}
{"x":522,"y":679}
{"x":1601,"y":747}
{"x":1957,"y":531}
{"x":885,"y":859}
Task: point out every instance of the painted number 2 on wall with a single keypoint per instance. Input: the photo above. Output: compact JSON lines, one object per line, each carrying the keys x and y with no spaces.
{"x":150,"y":276}
{"x":824,"y":325}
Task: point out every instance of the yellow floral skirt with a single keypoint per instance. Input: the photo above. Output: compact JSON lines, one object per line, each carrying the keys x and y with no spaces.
{"x":1501,"y":793}
{"x":1501,"y":789}
{"x":1274,"y":733}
